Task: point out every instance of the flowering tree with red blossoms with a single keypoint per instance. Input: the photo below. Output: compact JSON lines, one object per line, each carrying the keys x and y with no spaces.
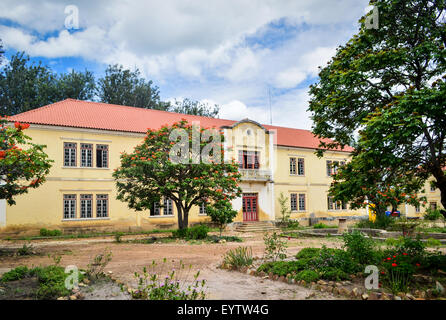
{"x":150,"y":173}
{"x":23,"y":165}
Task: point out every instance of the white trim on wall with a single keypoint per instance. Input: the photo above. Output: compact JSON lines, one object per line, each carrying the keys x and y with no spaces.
{"x":2,"y":213}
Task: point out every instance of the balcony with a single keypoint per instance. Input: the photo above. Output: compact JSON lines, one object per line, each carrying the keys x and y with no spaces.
{"x":256,"y":175}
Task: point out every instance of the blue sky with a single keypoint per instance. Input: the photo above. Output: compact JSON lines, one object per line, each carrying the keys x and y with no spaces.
{"x":225,"y":52}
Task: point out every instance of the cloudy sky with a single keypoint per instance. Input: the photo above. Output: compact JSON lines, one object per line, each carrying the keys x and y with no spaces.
{"x":229,"y":52}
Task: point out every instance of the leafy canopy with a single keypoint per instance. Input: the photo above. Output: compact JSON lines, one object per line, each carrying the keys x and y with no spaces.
{"x":20,"y":168}
{"x":148,"y":174}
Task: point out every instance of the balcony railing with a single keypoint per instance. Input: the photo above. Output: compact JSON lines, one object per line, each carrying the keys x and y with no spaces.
{"x":255,"y":174}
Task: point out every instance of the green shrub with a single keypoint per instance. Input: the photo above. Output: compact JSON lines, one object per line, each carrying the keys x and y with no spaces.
{"x":51,"y":282}
{"x":431,"y":242}
{"x":50,"y":233}
{"x":381,"y":222}
{"x":413,"y":247}
{"x":329,"y":259}
{"x":320,"y":225}
{"x":15,"y":274}
{"x":399,"y":269}
{"x":308,"y":253}
{"x":308,"y":276}
{"x":198,"y":232}
{"x":434,"y":261}
{"x":334,"y":274}
{"x":359,"y":247}
{"x":25,"y":250}
{"x":118,"y":236}
{"x":275,"y":248}
{"x":432,"y":214}
{"x":238,"y":257}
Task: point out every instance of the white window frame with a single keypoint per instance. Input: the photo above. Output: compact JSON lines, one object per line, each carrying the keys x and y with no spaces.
{"x":69,"y":206}
{"x":86,"y":206}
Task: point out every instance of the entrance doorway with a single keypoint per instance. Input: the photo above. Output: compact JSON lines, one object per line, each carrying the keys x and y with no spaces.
{"x":250,"y":207}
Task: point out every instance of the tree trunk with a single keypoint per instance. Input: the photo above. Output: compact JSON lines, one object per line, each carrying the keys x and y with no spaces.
{"x":440,"y":184}
{"x":180,"y":217}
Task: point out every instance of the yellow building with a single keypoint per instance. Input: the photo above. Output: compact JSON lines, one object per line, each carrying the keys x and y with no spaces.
{"x":85,"y":140}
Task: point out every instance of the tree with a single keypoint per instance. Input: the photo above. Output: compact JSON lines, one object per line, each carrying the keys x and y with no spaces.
{"x":362,"y":182}
{"x":153,"y":172}
{"x":387,"y":83}
{"x":20,"y":169}
{"x":76,"y":85}
{"x":25,"y":86}
{"x":285,"y":211}
{"x":125,"y":87}
{"x":221,"y":212}
{"x":2,"y":52}
{"x":188,"y":106}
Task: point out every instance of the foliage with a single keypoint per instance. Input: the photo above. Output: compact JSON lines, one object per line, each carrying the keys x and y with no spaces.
{"x":196,"y":232}
{"x":308,"y":276}
{"x":398,"y":271}
{"x":25,"y":250}
{"x":125,"y":87}
{"x":275,"y":248}
{"x":283,"y":268}
{"x":321,"y":225}
{"x":50,"y":233}
{"x":359,"y":247}
{"x":217,"y":239}
{"x":154,"y":285}
{"x":413,"y":247}
{"x":23,"y":165}
{"x":432,"y":214}
{"x":149,"y":174}
{"x":285,"y":211}
{"x":17,"y":273}
{"x":382,"y":222}
{"x":431,"y":242}
{"x":238,"y":257}
{"x":96,"y":268}
{"x":389,"y":84}
{"x":118,"y":236}
{"x":221,"y":212}
{"x":307,"y":253}
{"x":332,"y":259}
{"x":198,"y":108}
{"x":25,"y":86}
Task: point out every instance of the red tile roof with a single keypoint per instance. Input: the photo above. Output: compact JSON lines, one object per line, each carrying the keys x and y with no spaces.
{"x":103,"y":116}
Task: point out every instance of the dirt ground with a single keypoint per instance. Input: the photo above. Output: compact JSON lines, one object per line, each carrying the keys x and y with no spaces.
{"x":129,"y":258}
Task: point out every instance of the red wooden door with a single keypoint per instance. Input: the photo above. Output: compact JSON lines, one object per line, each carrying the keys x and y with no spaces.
{"x":250,"y":207}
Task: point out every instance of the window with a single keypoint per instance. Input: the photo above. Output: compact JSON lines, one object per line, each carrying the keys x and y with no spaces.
{"x":330,"y":203}
{"x":168,"y":207}
{"x":86,"y":206}
{"x":69,"y":154}
{"x":248,"y":159}
{"x":300,"y":167}
{"x":329,"y":168}
{"x":433,"y":187}
{"x":155,"y":209}
{"x":335,"y":205}
{"x":86,"y":155}
{"x":101,"y":205}
{"x":417,"y":209}
{"x":69,"y":206}
{"x":292,"y":165}
{"x":293,"y":199}
{"x":433,"y":205}
{"x":301,"y":202}
{"x":203,"y":209}
{"x":101,"y":156}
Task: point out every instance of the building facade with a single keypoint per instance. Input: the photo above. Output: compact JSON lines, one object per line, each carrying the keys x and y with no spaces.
{"x":85,"y":140}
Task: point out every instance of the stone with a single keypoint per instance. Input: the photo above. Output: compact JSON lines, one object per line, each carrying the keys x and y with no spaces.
{"x":397,"y":298}
{"x":323,"y":288}
{"x":322,"y":282}
{"x":79,"y":296}
{"x":282,"y":279}
{"x":355,"y":292}
{"x":303,"y":283}
{"x":344,"y":292}
{"x":439,"y":287}
{"x":338,"y":284}
{"x":374,"y":296}
{"x":73,"y":297}
{"x":275,"y":277}
{"x":271,"y":275}
{"x":252,"y":273}
{"x":110,"y":272}
{"x":336,"y":290}
{"x":61,"y":298}
{"x":365,"y":296}
{"x":411,"y":297}
{"x":331,"y":283}
{"x":82,"y":284}
{"x":311,"y":295}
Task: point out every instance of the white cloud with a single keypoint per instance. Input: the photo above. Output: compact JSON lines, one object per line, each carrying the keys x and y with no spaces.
{"x":197,"y":49}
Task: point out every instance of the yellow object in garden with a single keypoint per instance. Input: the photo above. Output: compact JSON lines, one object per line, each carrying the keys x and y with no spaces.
{"x":372,"y":213}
